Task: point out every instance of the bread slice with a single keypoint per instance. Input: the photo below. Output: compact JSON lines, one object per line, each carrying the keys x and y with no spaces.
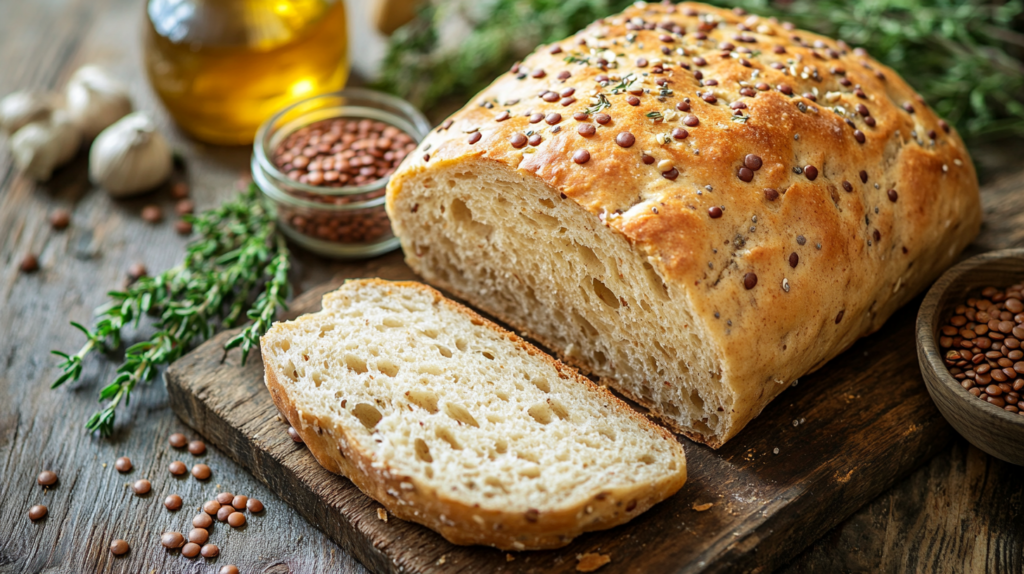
{"x":450,"y":421}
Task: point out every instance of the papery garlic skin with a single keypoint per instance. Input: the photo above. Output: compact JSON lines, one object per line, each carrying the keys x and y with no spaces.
{"x":95,"y":100}
{"x":21,"y":108}
{"x":41,"y":147}
{"x":130,"y":156}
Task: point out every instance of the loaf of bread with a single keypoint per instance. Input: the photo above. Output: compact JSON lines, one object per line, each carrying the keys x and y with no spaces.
{"x":452,"y":422}
{"x":696,"y":205}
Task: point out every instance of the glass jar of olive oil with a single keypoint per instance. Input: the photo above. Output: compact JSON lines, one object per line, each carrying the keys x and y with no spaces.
{"x":222,"y":67}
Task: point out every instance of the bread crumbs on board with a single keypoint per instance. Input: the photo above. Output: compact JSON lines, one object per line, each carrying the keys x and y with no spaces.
{"x":590,"y":561}
{"x":703,"y":507}
{"x":382,"y":514}
{"x":509,"y":558}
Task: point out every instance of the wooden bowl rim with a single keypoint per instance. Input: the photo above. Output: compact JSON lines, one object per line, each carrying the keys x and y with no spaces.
{"x":926,"y":338}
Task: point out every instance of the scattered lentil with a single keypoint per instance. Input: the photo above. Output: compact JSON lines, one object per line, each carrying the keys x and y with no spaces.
{"x":236,"y":519}
{"x":190,"y":550}
{"x":46,"y":478}
{"x":36,"y":512}
{"x":172,"y":540}
{"x":198,"y":535}
{"x":118,"y":547}
{"x":142,"y":486}
{"x":29,"y":263}
{"x":197,"y":447}
{"x":152,"y":214}
{"x":202,"y":520}
{"x":60,"y":219}
{"x":172,"y":502}
{"x":177,"y":440}
{"x":201,"y":471}
{"x":210,"y":551}
{"x":177,"y":468}
{"x":254,"y":505}
{"x":123,"y":464}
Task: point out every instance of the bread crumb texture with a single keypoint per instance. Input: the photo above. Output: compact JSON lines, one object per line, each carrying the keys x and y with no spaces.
{"x":450,"y":421}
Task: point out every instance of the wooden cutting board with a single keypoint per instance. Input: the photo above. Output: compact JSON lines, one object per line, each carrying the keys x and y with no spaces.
{"x":824,"y":448}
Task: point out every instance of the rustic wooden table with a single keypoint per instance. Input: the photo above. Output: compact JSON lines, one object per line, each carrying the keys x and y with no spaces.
{"x":959,"y":513}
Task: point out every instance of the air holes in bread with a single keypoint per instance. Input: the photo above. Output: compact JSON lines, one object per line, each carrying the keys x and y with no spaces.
{"x":605,"y":294}
{"x":422,"y":450}
{"x":387,"y":367}
{"x":355,"y":363}
{"x":542,"y":384}
{"x":559,"y":409}
{"x":647,"y":459}
{"x":432,"y":333}
{"x":393,"y":322}
{"x":606,"y":432}
{"x":461,"y":414}
{"x":532,"y":471}
{"x":318,"y":378}
{"x":447,"y":436}
{"x":461,"y":344}
{"x":424,"y":399}
{"x":488,"y":354}
{"x":367,"y":414}
{"x":541,"y":413}
{"x":547,"y":203}
{"x":444,"y":352}
{"x":464,"y":217}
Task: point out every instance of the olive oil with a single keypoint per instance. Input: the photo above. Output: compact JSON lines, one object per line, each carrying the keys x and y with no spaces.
{"x":222,"y":67}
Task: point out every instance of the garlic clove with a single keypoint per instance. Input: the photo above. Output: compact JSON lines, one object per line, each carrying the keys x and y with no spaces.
{"x":95,"y":100}
{"x":130,"y":156}
{"x":21,"y":108}
{"x":43,"y":146}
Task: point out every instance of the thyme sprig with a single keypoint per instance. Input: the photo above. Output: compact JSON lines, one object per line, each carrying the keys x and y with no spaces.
{"x":237,"y":267}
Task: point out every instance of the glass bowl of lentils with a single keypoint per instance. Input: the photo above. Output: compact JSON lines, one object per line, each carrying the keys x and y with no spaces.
{"x":324,"y":164}
{"x":970,"y":345}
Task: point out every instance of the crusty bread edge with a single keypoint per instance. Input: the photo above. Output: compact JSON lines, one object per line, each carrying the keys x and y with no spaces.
{"x":457,"y":522}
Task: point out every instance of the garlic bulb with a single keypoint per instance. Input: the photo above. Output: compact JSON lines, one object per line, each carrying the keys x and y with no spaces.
{"x":19,"y":109}
{"x":41,"y":147}
{"x":95,"y":100}
{"x":130,"y":156}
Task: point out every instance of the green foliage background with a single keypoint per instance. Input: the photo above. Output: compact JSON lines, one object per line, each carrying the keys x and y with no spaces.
{"x":964,"y":56}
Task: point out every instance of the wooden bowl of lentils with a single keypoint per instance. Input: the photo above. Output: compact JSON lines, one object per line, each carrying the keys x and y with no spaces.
{"x":970,"y":344}
{"x":324,"y":163}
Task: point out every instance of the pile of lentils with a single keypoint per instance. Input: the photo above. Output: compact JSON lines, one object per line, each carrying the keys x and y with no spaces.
{"x":982,"y":343}
{"x":335,"y":154}
{"x":226,"y":507}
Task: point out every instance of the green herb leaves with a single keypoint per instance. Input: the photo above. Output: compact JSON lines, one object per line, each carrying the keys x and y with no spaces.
{"x":237,"y":268}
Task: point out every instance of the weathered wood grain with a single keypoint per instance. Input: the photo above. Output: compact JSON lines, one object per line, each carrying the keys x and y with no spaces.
{"x":958,"y":513}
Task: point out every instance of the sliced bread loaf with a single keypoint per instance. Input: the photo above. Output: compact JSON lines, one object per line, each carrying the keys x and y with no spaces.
{"x":450,"y":421}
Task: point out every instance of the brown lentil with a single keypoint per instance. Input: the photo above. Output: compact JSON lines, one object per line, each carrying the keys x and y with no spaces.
{"x":177,"y":440}
{"x":197,"y":447}
{"x":185,"y":207}
{"x":749,"y":280}
{"x":771,"y":194}
{"x":118,"y":547}
{"x":602,"y":118}
{"x":190,"y":550}
{"x":211,"y":507}
{"x":586,"y":130}
{"x":625,"y":139}
{"x":177,"y":468}
{"x":811,"y":172}
{"x":239,"y":501}
{"x":198,"y":535}
{"x":142,"y":486}
{"x":581,"y":156}
{"x":225,"y":497}
{"x":29,"y":263}
{"x":60,"y":219}
{"x":183,"y":227}
{"x":135,"y":271}
{"x":224,"y":513}
{"x":210,"y":551}
{"x":236,"y":519}
{"x":201,"y":471}
{"x":294,"y":434}
{"x":36,"y":512}
{"x":255,"y":506}
{"x":123,"y":464}
{"x":229,"y":569}
{"x":172,"y":540}
{"x":152,"y":214}
{"x":172,"y":502}
{"x":46,"y":478}
{"x":179,"y":190}
{"x":202,"y":520}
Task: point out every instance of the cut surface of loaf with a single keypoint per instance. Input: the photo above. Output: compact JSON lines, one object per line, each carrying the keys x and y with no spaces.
{"x":452,"y":422}
{"x":698,"y":206}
